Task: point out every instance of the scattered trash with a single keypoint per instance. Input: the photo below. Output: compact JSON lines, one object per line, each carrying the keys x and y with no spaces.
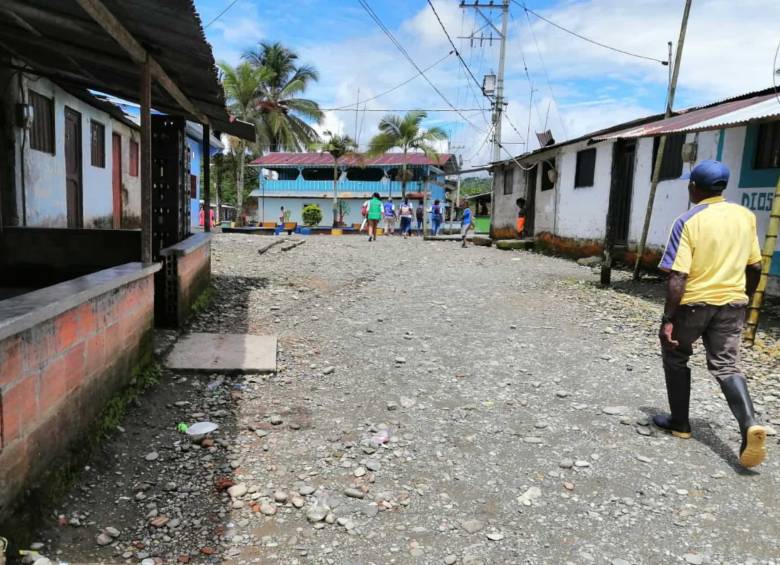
{"x":182,"y":428}
{"x":215,"y":383}
{"x":200,"y":429}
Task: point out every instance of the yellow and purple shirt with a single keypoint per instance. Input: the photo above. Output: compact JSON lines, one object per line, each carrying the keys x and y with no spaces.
{"x":712,"y":243}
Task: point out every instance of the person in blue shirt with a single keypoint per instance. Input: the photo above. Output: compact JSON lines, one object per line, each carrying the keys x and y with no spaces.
{"x":466,"y":224}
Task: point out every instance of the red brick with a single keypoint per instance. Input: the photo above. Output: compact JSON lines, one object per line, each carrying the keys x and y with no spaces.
{"x":95,"y":353}
{"x":10,"y":360}
{"x":67,"y":329}
{"x":87,"y":320}
{"x":60,"y":377}
{"x":20,"y":408}
{"x":39,"y":345}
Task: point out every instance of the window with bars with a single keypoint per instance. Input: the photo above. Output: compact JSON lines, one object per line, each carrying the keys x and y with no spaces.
{"x":42,"y":132}
{"x":509,"y":176}
{"x":586,"y":167}
{"x":97,"y":140}
{"x":672,"y":163}
{"x":768,"y":146}
{"x":133,"y":158}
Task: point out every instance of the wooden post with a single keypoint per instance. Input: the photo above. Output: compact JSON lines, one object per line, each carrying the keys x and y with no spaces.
{"x":609,"y":238}
{"x":662,"y":142}
{"x":146,"y":163}
{"x":206,"y":150}
{"x":770,"y":242}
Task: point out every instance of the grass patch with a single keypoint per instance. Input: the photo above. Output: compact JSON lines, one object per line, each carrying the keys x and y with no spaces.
{"x":203,"y":301}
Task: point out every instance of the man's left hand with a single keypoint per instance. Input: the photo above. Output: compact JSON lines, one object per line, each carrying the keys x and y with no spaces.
{"x":665,"y":335}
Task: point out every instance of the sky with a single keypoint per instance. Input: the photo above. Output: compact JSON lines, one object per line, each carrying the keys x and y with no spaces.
{"x":577,"y":87}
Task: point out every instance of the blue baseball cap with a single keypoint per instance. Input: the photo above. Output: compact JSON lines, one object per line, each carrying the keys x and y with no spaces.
{"x":708,"y":174}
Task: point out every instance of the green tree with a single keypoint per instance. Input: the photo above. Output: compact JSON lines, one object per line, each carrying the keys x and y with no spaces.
{"x":338,"y":146}
{"x":243,"y":87}
{"x":284,"y":117}
{"x":312,"y":215}
{"x":405,"y":133}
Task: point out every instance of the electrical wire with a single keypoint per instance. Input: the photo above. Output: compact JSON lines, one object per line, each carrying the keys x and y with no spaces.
{"x":222,"y":13}
{"x":409,"y":58}
{"x":593,"y":41}
{"x":482,"y":145}
{"x":457,"y":53}
{"x":546,"y":74}
{"x":404,"y":110}
{"x":774,"y":72}
{"x":397,"y":86}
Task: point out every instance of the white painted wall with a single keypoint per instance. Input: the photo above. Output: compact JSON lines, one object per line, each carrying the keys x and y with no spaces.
{"x":295,"y":206}
{"x":504,"y":216}
{"x":44,"y":174}
{"x":582,"y":211}
{"x":546,"y":201}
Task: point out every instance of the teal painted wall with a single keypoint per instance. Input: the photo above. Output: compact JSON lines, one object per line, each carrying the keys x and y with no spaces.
{"x":748,"y":176}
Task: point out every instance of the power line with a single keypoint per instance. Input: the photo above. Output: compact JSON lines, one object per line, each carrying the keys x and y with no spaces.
{"x":408,"y":57}
{"x":222,"y":13}
{"x":457,"y":53}
{"x":404,"y":110}
{"x":593,"y":41}
{"x":396,"y":87}
{"x":546,"y":74}
{"x":774,"y":72}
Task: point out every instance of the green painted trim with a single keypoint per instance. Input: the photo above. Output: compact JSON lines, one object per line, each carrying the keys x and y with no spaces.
{"x":748,"y":176}
{"x":482,"y":224}
{"x":774,"y":268}
{"x":721,"y":138}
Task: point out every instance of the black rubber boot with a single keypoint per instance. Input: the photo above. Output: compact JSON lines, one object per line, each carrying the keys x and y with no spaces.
{"x":753,"y":449}
{"x":678,"y":389}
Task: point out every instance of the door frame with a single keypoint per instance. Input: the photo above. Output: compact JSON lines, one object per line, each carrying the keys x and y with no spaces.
{"x":624,"y":192}
{"x":116,"y":178}
{"x":74,"y":202}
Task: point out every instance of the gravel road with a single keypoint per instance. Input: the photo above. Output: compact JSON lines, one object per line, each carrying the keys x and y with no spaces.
{"x":433,"y":405}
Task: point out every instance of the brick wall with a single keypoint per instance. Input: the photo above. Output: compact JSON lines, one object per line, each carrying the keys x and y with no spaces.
{"x":56,"y":377}
{"x":186,"y":274}
{"x":194,"y":277}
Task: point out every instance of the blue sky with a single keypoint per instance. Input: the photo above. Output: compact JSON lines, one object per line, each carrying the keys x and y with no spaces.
{"x":578,"y":87}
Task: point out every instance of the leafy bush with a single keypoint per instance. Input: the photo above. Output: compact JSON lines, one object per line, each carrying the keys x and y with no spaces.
{"x":312,"y":215}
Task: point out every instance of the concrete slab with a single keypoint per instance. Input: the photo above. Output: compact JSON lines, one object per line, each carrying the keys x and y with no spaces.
{"x":238,"y":353}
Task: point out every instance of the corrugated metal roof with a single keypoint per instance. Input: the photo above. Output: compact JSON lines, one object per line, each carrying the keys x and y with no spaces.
{"x":721,"y":115}
{"x":325,"y":160}
{"x":61,"y":41}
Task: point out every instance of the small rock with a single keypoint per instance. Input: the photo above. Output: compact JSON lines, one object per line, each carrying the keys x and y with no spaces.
{"x":568,"y":486}
{"x":306,"y":490}
{"x":400,"y":360}
{"x":111,"y":531}
{"x":280,"y":496}
{"x":159,"y":521}
{"x":562,"y":393}
{"x":103,"y":539}
{"x":392,"y":406}
{"x":407,"y":402}
{"x":267,"y":509}
{"x":614,"y":410}
{"x":354,"y":493}
{"x":529,"y":496}
{"x":237,"y":490}
{"x":373,"y":465}
{"x":328,"y":370}
{"x":694,"y":559}
{"x":153,"y":456}
{"x":297,"y":501}
{"x":472,"y":526}
{"x":359,"y":472}
{"x":316,"y":514}
{"x":494,"y":536}
{"x":582,"y":463}
{"x":566,"y":464}
{"x":450,"y":559}
{"x":276,"y":420}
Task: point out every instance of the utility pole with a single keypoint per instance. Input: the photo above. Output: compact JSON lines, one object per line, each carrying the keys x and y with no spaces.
{"x":357,"y":110}
{"x":498,"y":98}
{"x":662,"y":142}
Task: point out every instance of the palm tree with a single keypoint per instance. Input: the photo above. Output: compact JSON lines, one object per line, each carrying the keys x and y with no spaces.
{"x":242,"y":86}
{"x":338,"y":146}
{"x":405,"y":133}
{"x":284,"y":117}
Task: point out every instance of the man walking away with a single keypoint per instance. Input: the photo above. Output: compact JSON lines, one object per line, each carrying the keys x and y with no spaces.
{"x":419,"y":213}
{"x":466,"y":224}
{"x":389,"y":214}
{"x":714,"y":265}
{"x":405,"y":212}
{"x":374,"y":215}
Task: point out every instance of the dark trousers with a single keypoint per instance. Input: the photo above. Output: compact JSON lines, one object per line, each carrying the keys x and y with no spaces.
{"x":720,"y":328}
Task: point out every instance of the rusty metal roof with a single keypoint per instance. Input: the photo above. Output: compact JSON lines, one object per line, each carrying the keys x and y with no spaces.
{"x":325,"y":160}
{"x":60,"y":41}
{"x":724,"y":114}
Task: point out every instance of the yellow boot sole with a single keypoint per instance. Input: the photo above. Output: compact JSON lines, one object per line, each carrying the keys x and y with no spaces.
{"x":755,"y":448}
{"x":681,"y":435}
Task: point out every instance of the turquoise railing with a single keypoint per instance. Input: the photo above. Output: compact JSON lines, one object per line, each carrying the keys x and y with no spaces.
{"x":326,"y":187}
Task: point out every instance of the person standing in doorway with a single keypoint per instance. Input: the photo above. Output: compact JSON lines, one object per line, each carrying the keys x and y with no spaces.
{"x":520,"y":217}
{"x":405,"y":211}
{"x":389,"y":215}
{"x":374,"y":215}
{"x":419,"y":215}
{"x":714,"y":265}
{"x":466,"y":224}
{"x":282,"y":216}
{"x":437,"y":216}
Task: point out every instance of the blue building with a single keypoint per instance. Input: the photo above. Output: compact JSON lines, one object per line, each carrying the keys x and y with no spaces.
{"x":294,"y":180}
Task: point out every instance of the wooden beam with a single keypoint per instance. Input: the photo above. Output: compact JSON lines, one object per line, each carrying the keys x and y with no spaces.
{"x":103,"y":16}
{"x":206,"y":177}
{"x":146,"y":163}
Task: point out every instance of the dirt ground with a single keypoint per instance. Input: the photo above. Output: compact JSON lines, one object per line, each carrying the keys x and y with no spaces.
{"x":433,"y":405}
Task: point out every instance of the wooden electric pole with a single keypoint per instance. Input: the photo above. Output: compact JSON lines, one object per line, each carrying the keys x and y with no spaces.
{"x":659,"y":157}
